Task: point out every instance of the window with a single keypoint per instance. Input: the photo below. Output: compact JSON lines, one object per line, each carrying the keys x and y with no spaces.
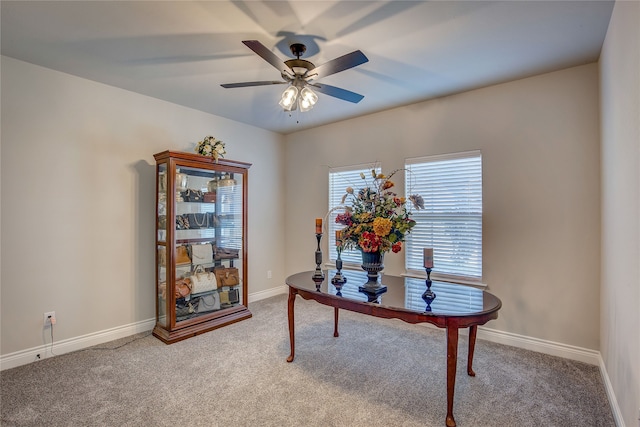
{"x":451,"y":222}
{"x":339,"y":180}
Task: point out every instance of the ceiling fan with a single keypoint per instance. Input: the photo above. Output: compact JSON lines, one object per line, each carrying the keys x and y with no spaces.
{"x":301,"y":74}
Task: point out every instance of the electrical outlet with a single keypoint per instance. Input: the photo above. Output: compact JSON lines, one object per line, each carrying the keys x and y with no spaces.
{"x":49,"y":318}
{"x":269,"y":274}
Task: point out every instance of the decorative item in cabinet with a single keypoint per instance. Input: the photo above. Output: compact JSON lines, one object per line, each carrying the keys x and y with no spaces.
{"x":201,"y":235}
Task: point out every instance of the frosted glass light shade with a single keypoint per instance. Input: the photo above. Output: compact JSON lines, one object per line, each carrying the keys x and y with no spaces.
{"x":289,"y":96}
{"x":307,"y":99}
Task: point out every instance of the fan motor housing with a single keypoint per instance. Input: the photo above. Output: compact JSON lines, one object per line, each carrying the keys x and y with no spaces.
{"x":299,"y":66}
{"x":300,"y":63}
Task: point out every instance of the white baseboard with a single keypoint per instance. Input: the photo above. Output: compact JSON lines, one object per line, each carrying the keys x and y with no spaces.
{"x":566,"y":351}
{"x":34,"y":354}
{"x":541,"y":346}
{"x":73,"y":344}
{"x":615,"y":409}
{"x":257,"y":296}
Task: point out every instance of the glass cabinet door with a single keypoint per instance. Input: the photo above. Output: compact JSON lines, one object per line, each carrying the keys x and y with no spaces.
{"x":208,"y":241}
{"x":161,"y":230}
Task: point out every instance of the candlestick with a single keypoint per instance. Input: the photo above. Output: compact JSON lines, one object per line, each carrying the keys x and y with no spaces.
{"x":318,"y":276}
{"x":428,"y":257}
{"x":318,"y":225}
{"x":339,"y":279}
{"x":428,"y":296}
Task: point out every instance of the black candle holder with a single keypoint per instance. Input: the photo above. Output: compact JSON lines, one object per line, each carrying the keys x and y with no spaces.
{"x":318,"y":275}
{"x":428,"y":296}
{"x":339,"y":279}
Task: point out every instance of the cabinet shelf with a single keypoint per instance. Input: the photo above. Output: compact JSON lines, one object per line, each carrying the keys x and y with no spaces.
{"x":209,"y":235}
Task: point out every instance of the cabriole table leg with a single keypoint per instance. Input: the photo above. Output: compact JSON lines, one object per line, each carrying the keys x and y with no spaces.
{"x":291,"y":301}
{"x":473,"y":330}
{"x":452,"y":359}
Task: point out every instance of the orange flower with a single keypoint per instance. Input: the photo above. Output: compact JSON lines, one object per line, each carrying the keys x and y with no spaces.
{"x":382,"y":226}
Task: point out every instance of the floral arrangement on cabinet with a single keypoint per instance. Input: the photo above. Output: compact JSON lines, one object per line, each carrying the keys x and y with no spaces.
{"x":211,"y":147}
{"x":377,"y":220}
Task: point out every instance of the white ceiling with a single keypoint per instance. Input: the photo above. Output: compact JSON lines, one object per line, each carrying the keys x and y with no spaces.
{"x":182,"y":51}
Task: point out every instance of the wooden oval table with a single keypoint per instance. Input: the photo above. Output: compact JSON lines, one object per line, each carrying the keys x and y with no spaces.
{"x":455,"y":306}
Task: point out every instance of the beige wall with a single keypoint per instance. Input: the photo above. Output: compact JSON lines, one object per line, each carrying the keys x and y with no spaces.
{"x":539,"y":139}
{"x":620,"y":310}
{"x":78,"y":200}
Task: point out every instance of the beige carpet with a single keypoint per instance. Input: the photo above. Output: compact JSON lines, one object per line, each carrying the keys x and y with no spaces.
{"x":377,"y":373}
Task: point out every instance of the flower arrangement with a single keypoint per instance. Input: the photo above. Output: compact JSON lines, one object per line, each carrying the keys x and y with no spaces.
{"x":212,"y":147}
{"x":378,"y":219}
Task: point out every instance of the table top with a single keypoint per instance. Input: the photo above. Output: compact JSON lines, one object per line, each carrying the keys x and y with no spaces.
{"x":403,"y":293}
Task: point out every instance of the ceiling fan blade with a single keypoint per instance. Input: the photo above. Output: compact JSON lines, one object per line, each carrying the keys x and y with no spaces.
{"x":247,"y":84}
{"x":268,"y":56}
{"x":336,"y":92}
{"x":336,"y":65}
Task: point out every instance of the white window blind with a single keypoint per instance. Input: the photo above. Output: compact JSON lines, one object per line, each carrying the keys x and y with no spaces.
{"x":451,"y":222}
{"x":339,"y":180}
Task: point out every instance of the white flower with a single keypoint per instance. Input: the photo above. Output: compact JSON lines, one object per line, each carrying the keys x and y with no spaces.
{"x":209,"y":146}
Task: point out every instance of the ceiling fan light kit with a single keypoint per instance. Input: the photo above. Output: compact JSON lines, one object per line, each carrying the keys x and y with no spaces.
{"x":293,"y":98}
{"x":299,"y":74}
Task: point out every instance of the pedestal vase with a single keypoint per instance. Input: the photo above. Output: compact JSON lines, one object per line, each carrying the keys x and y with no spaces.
{"x":372,"y":263}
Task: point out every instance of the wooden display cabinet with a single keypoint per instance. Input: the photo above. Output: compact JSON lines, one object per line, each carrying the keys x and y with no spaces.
{"x":201,"y":242}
